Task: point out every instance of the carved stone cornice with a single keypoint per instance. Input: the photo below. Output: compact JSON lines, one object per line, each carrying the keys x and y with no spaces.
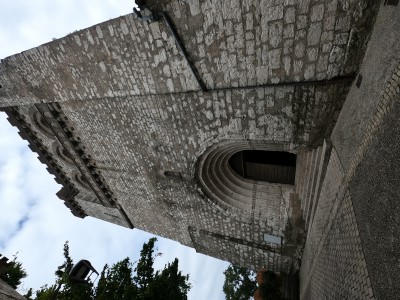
{"x":68,"y":191}
{"x":64,"y":133}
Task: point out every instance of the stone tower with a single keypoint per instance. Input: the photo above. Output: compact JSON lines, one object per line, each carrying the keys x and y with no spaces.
{"x":205,"y":122}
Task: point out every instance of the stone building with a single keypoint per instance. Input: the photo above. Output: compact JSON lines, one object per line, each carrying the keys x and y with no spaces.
{"x":211,"y":123}
{"x":6,"y":291}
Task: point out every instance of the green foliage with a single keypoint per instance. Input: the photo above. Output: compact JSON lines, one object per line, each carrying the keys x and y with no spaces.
{"x":239,"y":283}
{"x":116,"y":283}
{"x":64,"y":287}
{"x":120,"y":281}
{"x":45,"y":292}
{"x":144,"y":269}
{"x":70,"y":290}
{"x":14,"y":273}
{"x":29,"y":294}
{"x":169,"y":284}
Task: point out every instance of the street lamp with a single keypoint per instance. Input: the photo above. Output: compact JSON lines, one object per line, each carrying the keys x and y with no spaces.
{"x":79,"y":274}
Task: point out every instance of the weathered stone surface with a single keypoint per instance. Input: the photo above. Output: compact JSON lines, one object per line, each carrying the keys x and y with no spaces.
{"x":8,"y":293}
{"x":133,"y":125}
{"x":350,"y":246}
{"x":214,"y":36}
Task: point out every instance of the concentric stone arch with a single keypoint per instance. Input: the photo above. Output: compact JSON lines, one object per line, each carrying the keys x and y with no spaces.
{"x":245,"y":199}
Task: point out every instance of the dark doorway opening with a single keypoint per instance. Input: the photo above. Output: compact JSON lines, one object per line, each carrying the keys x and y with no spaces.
{"x":269,"y":166}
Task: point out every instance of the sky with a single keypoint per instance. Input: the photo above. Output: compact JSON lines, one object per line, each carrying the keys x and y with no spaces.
{"x":33,"y":221}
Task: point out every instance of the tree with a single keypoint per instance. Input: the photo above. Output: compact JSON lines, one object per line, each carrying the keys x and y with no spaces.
{"x":64,"y":288}
{"x":120,"y":281}
{"x":239,"y":283}
{"x":13,"y":273}
{"x":169,"y":284}
{"x":45,"y":292}
{"x":29,"y":294}
{"x":117,"y":282}
{"x":144,"y":269}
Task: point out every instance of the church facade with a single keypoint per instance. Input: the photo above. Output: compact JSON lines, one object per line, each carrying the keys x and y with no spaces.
{"x":205,"y":122}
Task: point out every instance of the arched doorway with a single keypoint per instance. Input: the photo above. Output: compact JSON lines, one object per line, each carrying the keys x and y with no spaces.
{"x":240,"y":192}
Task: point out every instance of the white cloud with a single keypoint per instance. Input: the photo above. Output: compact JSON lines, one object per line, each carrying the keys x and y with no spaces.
{"x":27,"y":24}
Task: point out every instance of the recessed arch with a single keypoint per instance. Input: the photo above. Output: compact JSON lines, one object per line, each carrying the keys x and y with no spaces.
{"x":247,"y":199}
{"x":62,"y":153}
{"x":41,"y":123}
{"x":81,"y":180}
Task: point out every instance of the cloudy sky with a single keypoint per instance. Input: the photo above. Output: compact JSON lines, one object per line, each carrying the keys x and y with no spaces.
{"x":33,"y":222}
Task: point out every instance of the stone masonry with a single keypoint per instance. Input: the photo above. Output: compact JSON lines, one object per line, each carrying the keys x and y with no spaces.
{"x":350,"y":250}
{"x":6,"y":291}
{"x":137,"y":117}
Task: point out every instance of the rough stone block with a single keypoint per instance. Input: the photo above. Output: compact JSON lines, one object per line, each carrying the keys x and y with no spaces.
{"x":317,"y":12}
{"x":290,"y":15}
{"x":314,"y":34}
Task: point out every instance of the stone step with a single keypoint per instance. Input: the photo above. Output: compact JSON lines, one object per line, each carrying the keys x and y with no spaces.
{"x":300,"y":175}
{"x":303,"y":184}
{"x":308,"y":180}
{"x":309,"y":176}
{"x":301,"y":171}
{"x":325,"y":154}
{"x":300,"y":167}
{"x":311,"y":190}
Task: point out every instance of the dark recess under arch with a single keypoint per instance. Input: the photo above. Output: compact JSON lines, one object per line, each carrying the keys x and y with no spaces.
{"x":269,"y":166}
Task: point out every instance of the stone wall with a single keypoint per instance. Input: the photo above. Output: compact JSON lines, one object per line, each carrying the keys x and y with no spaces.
{"x":239,"y":43}
{"x":333,"y":265}
{"x":339,"y":267}
{"x":120,"y":100}
{"x":351,"y":249}
{"x":135,"y":140}
{"x":8,"y":293}
{"x":236,"y":43}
